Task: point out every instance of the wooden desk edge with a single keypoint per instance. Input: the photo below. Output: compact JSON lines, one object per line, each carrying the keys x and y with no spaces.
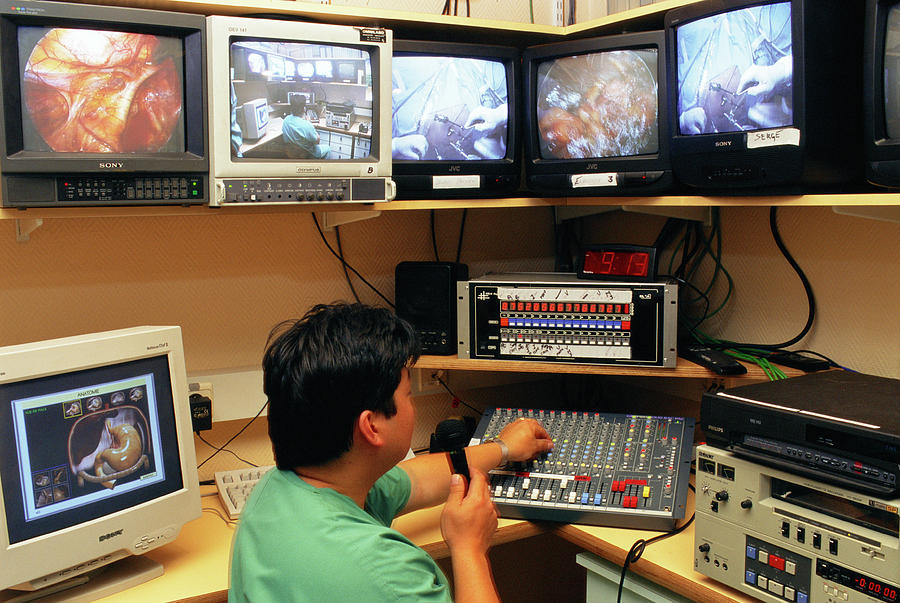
{"x":695,"y":586}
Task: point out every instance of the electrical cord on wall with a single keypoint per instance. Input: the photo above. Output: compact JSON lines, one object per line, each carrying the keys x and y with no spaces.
{"x":232,"y":438}
{"x":459,"y":241}
{"x":340,"y":248}
{"x":348,"y":266}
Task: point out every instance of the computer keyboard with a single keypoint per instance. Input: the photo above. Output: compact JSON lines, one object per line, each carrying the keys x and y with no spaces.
{"x":234,"y":487}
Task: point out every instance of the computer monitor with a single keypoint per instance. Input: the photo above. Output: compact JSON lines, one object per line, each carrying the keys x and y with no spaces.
{"x":301,"y":156}
{"x":253,"y":118}
{"x":455,"y":126}
{"x":765,"y":93}
{"x":881,"y":92}
{"x":97,"y":462}
{"x":595,"y":116}
{"x":101,"y":105}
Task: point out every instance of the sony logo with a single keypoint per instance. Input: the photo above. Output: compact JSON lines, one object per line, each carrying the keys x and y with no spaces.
{"x":110,"y":535}
{"x":723,"y":143}
{"x":111,"y":164}
{"x":715,"y":428}
{"x":705,"y":455}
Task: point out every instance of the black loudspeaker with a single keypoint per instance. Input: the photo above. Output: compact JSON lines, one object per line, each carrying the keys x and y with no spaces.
{"x":425,"y":296}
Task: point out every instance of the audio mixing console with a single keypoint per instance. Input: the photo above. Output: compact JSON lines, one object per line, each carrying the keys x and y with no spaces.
{"x":615,"y":470}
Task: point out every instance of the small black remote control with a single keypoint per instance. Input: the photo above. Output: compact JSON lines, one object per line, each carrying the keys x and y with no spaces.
{"x":715,"y":360}
{"x":806,"y":364}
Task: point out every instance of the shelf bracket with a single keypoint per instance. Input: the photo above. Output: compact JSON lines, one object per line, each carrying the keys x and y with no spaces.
{"x":331,"y":219}
{"x":697,"y":214}
{"x":26,"y":226}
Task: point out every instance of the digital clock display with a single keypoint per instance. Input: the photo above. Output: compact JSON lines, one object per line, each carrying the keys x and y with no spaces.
{"x":873,"y":587}
{"x":629,"y":262}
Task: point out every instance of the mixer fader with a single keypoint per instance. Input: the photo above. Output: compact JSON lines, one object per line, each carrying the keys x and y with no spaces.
{"x":605,"y":469}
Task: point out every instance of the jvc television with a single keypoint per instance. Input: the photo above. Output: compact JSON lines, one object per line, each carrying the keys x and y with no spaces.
{"x":299,"y":112}
{"x":97,"y":462}
{"x":881,"y":93}
{"x":101,"y":105}
{"x":595,"y":116}
{"x":454,"y":120}
{"x":765,"y":93}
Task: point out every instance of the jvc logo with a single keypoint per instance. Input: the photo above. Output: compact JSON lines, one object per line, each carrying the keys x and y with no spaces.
{"x":592,"y":166}
{"x":455,"y":168}
{"x":111,"y":164}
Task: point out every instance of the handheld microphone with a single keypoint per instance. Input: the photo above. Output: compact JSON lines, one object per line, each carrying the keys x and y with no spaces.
{"x":450,"y":435}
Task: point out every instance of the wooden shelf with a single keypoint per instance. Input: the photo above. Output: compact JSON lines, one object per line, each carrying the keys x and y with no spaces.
{"x":684,"y":369}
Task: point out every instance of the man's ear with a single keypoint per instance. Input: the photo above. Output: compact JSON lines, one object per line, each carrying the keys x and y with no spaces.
{"x":368,"y":425}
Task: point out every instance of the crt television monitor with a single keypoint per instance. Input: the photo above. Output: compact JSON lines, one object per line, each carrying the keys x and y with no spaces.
{"x":306,"y":153}
{"x":595,"y":116}
{"x":454,"y":121}
{"x":765,"y":93}
{"x":881,"y":92}
{"x":101,"y":105}
{"x":97,"y":462}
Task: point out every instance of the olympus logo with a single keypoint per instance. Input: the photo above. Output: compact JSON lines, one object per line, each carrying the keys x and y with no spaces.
{"x":110,"y":535}
{"x":723,"y":143}
{"x":111,"y":164}
{"x":715,"y":428}
{"x":308,"y":170}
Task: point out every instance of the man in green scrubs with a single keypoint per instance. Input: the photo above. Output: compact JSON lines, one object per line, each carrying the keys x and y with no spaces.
{"x":317,"y":527}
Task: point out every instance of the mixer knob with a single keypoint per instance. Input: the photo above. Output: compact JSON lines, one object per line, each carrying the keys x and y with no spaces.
{"x":746,"y":503}
{"x":722,"y":495}
{"x":704,"y":548}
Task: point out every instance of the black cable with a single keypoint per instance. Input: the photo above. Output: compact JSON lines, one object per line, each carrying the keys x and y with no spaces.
{"x":228,"y":450}
{"x":437,"y":257}
{"x":462,"y":227}
{"x":351,"y":268}
{"x":811,"y":301}
{"x":637,"y":549}
{"x":337,"y":237}
{"x":455,"y":397}
{"x":446,"y":9}
{"x":231,"y":439}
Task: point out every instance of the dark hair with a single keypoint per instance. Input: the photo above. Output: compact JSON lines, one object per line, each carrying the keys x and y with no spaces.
{"x":298,"y":104}
{"x":322,"y":371}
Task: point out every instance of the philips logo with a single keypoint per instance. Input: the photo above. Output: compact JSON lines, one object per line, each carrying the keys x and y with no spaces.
{"x":110,"y":535}
{"x":715,"y":428}
{"x":110,"y":164}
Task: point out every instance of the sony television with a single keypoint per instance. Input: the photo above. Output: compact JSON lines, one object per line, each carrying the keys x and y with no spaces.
{"x":101,"y":105}
{"x":314,"y":132}
{"x":595,"y":116}
{"x":765,"y":93}
{"x":97,"y":462}
{"x":881,"y":92}
{"x":454,"y":119}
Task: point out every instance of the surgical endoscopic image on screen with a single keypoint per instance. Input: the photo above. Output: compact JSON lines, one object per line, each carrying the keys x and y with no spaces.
{"x":892,"y":74}
{"x":735,"y":71}
{"x":93,"y":91}
{"x":449,"y":109}
{"x":602,"y":104}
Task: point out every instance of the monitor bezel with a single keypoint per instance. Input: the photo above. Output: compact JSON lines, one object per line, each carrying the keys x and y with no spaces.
{"x":222,"y":30}
{"x":537,"y":167}
{"x":45,"y":559}
{"x":881,"y":152}
{"x":191,"y":29}
{"x":411,"y":172}
{"x":724,"y":142}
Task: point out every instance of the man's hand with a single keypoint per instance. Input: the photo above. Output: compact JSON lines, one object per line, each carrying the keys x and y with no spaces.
{"x":469,"y":518}
{"x":412,"y":146}
{"x":526,"y":439}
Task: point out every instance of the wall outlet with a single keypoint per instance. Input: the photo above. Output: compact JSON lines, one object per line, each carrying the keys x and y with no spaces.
{"x":201,"y":397}
{"x":425,"y":382}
